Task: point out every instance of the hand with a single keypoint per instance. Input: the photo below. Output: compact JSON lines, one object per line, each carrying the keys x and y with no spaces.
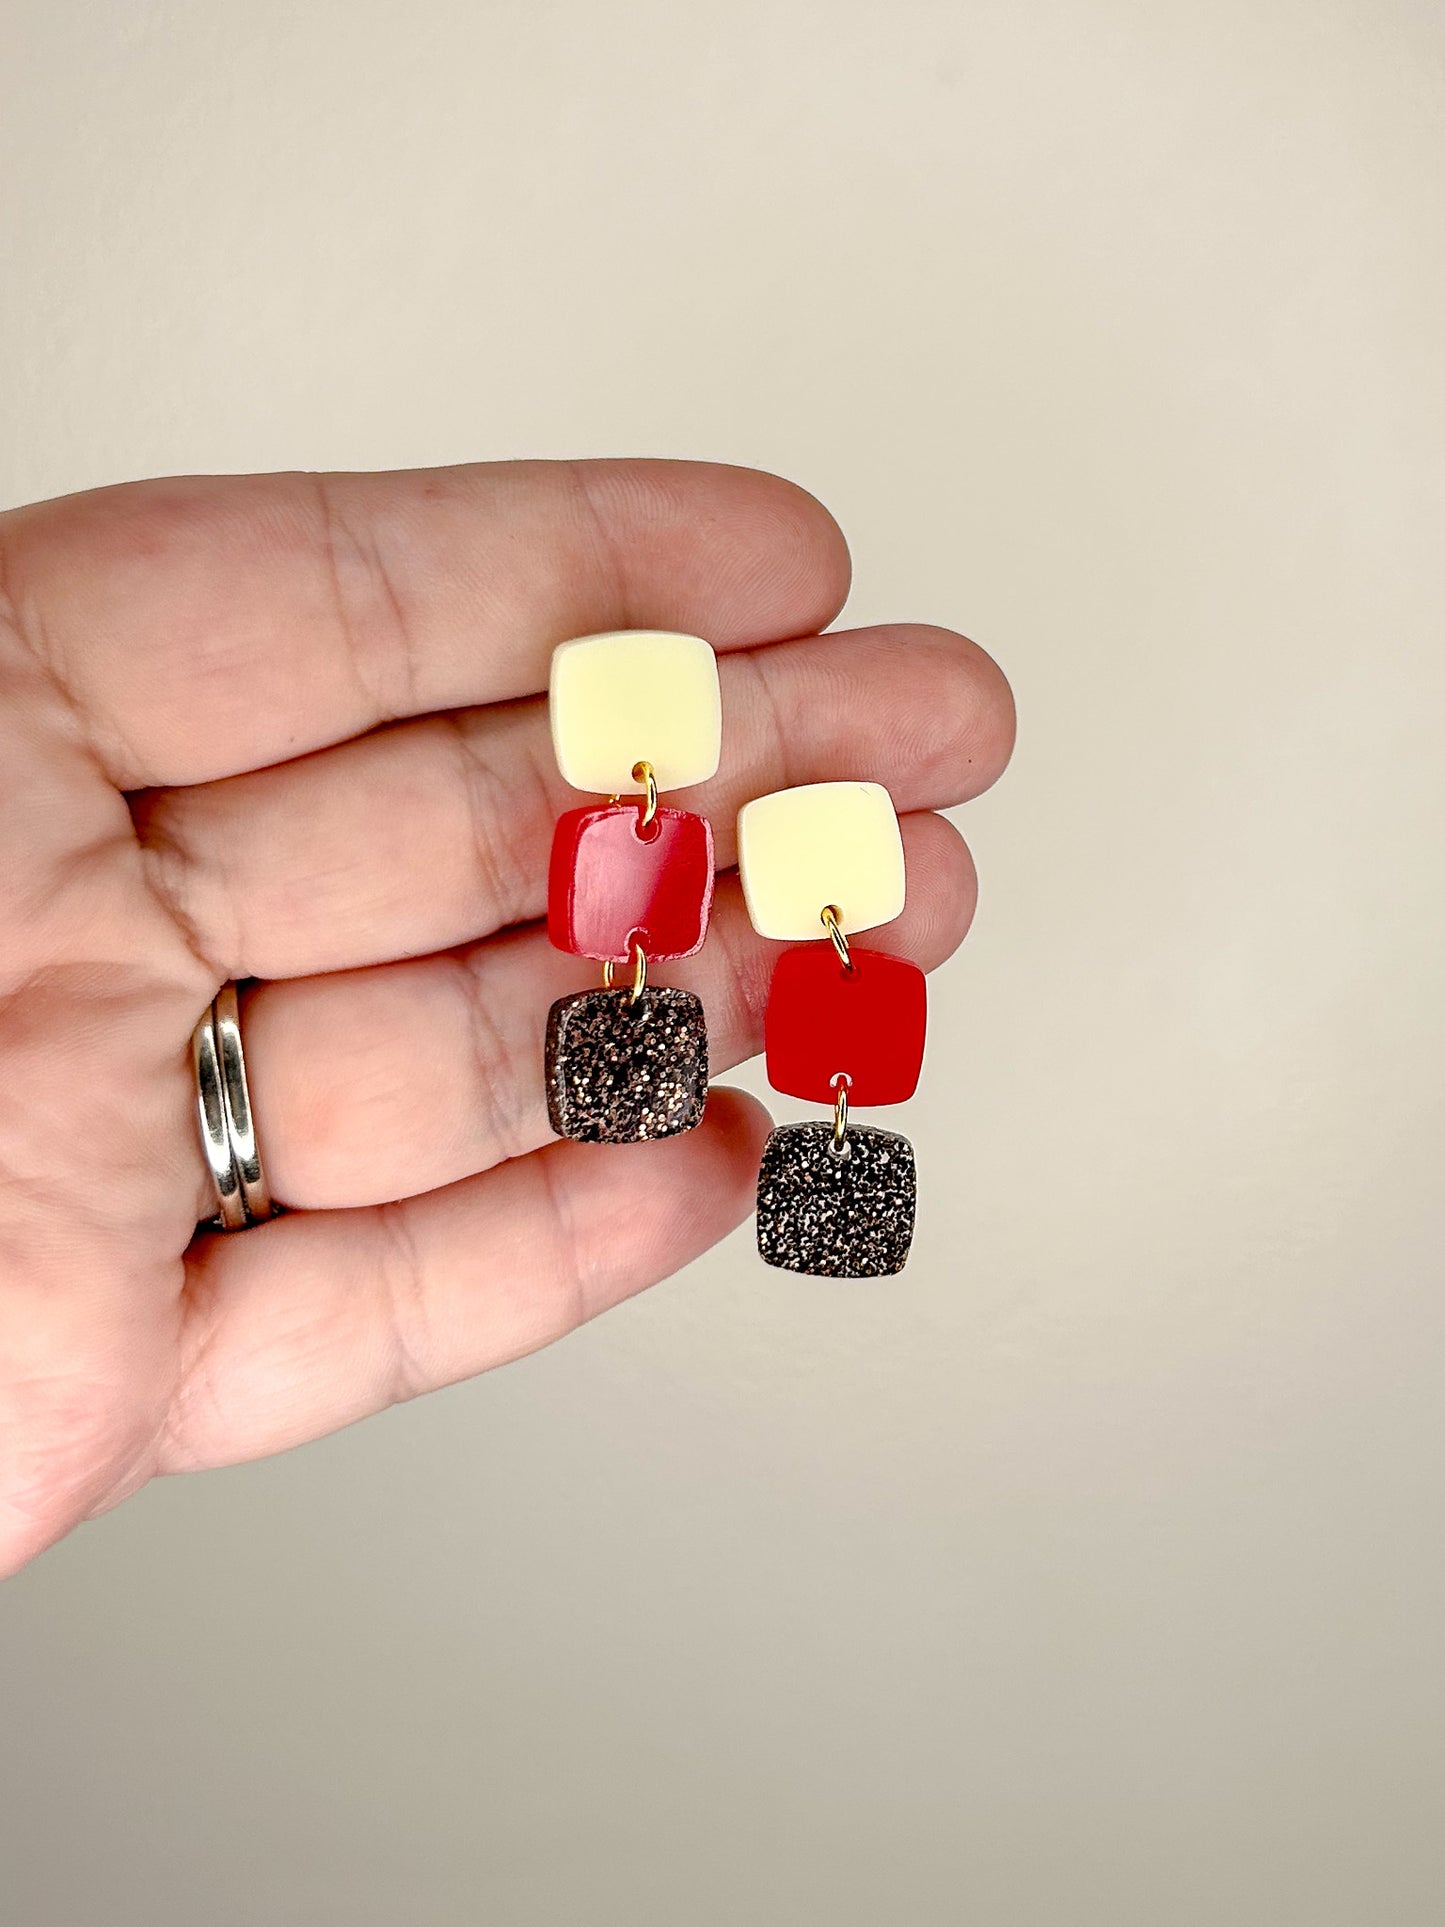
{"x":289,"y":727}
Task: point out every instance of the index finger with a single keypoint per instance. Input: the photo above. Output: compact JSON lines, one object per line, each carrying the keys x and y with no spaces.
{"x":210,"y":624}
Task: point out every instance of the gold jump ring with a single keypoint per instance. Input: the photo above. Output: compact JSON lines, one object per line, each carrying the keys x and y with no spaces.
{"x":832,"y":920}
{"x":645,"y":774}
{"x":840,"y":1081}
{"x":639,"y":972}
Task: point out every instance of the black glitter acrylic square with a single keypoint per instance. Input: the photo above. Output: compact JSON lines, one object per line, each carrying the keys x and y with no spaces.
{"x":620,"y":1072}
{"x":836,"y":1213}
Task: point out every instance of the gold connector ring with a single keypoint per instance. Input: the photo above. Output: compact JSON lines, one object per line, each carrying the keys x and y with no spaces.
{"x":645,"y":774}
{"x":639,"y":972}
{"x":832,"y":920}
{"x":840,"y":1082}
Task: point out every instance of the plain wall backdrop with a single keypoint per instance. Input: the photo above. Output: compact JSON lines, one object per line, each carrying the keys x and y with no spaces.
{"x":1090,"y":1573}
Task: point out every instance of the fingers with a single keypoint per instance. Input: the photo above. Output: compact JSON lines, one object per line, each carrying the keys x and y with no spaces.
{"x":204,"y":625}
{"x":378,"y":1083}
{"x":437,"y":831}
{"x":302,"y":1325}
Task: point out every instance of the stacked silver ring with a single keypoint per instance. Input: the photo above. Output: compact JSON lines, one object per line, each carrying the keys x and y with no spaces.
{"x":223,"y":1104}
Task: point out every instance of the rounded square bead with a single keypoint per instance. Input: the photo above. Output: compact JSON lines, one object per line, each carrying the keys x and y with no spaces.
{"x":833,"y":1214}
{"x":821,"y":843}
{"x":869,"y":1022}
{"x":621,"y":1073}
{"x":631,"y":696}
{"x":611,"y":880}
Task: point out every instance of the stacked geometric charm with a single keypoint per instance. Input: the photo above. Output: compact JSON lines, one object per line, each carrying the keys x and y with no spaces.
{"x":844,"y":1026}
{"x":633,"y":712}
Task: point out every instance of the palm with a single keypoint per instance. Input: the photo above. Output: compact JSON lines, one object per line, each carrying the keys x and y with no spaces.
{"x":291,"y":729}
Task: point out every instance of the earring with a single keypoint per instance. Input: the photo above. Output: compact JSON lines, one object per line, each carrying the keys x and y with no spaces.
{"x":633,"y":712}
{"x":844,"y":1026}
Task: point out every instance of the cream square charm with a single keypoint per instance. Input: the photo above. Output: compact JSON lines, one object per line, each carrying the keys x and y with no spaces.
{"x":631,"y":696}
{"x":823,"y":843}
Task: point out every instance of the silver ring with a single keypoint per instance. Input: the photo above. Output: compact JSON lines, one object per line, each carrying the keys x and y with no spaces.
{"x":223,"y":1106}
{"x":211,"y":1110}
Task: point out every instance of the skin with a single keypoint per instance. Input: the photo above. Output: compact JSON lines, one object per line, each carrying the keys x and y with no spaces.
{"x":292,"y":727}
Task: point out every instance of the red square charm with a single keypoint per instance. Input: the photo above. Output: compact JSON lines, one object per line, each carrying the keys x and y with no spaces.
{"x":611,"y":881}
{"x":868,"y":1022}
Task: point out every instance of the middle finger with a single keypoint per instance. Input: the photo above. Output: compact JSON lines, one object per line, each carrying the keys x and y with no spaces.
{"x":433,"y":832}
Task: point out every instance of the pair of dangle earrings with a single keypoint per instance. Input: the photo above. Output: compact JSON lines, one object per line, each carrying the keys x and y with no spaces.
{"x":635,"y":713}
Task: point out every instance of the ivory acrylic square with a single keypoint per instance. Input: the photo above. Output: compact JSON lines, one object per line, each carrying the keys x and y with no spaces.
{"x":819,"y":844}
{"x":630,"y":696}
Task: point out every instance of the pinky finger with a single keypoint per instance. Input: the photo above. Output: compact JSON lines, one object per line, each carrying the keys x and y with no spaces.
{"x":300,"y":1326}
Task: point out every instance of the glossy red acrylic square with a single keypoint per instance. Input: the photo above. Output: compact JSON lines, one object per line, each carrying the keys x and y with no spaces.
{"x":612,"y":881}
{"x":868,"y":1022}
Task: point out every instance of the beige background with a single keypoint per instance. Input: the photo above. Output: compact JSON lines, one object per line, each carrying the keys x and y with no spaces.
{"x":1090,"y":1574}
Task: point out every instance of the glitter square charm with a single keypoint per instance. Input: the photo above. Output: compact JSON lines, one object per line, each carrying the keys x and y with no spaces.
{"x":620,"y":1072}
{"x":836,"y":1213}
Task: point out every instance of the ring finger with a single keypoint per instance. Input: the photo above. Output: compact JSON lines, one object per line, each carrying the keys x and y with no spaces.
{"x":374,"y":1084}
